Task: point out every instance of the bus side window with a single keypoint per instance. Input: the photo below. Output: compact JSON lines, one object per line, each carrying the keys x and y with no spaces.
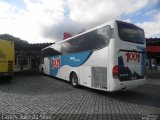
{"x":88,"y":41}
{"x":72,"y":46}
{"x":102,"y":36}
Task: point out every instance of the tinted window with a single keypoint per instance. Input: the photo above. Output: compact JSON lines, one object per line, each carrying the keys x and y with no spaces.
{"x":101,"y":38}
{"x":76,"y":44}
{"x":89,"y":41}
{"x":70,"y":46}
{"x":131,"y":33}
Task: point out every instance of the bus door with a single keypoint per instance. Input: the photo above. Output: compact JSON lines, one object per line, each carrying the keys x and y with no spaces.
{"x":86,"y":73}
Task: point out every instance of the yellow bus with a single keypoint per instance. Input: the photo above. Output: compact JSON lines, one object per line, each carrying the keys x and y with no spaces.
{"x":6,"y":58}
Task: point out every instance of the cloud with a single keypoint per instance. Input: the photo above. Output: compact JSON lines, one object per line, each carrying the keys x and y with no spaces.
{"x":154,"y":1}
{"x":56,"y":30}
{"x":158,"y":17}
{"x":92,"y":12}
{"x":88,"y":14}
{"x":47,"y":20}
{"x":28,"y":23}
{"x":152,"y":28}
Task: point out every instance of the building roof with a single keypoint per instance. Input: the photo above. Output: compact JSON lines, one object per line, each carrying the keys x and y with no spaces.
{"x":153,"y":45}
{"x":153,"y":41}
{"x":153,"y":49}
{"x":36,"y":46}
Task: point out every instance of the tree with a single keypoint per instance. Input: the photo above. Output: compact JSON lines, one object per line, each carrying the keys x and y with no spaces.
{"x":17,"y":41}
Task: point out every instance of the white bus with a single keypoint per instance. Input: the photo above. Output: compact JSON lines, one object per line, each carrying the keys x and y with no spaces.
{"x":110,"y":57}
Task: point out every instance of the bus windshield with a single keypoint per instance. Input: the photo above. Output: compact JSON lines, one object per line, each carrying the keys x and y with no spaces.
{"x":130,"y":33}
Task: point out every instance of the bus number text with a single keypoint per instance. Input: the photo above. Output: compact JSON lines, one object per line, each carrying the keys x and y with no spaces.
{"x":55,"y":63}
{"x":133,"y":56}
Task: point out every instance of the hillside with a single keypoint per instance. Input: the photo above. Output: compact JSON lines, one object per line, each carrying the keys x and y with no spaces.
{"x":17,"y":41}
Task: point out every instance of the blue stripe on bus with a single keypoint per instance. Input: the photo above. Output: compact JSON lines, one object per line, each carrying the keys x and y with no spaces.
{"x":143,"y":60}
{"x":73,"y":60}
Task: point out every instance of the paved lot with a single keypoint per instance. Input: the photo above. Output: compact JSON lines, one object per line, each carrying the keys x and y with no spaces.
{"x":36,"y":94}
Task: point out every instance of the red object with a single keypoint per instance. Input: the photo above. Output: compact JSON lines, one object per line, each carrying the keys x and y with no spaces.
{"x":56,"y":63}
{"x":115,"y":72}
{"x":67,"y":35}
{"x":153,"y":49}
{"x":132,"y":56}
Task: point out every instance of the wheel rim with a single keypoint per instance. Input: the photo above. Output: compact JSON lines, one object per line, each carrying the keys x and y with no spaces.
{"x":74,"y":80}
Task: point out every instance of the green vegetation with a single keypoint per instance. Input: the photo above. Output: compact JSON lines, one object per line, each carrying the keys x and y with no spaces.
{"x":12,"y":38}
{"x":17,"y":41}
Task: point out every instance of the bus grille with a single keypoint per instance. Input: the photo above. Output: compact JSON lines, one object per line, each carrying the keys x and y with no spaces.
{"x":10,"y":66}
{"x":99,"y":77}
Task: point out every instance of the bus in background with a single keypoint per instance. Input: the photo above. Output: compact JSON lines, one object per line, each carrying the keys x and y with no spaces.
{"x":110,"y":57}
{"x":6,"y":58}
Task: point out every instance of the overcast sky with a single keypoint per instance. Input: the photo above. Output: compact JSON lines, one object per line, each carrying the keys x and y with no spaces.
{"x":38,"y":21}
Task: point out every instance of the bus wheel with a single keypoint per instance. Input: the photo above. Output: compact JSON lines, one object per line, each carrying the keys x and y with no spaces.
{"x":74,"y":80}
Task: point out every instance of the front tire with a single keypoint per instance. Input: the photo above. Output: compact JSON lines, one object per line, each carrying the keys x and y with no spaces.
{"x":74,"y":80}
